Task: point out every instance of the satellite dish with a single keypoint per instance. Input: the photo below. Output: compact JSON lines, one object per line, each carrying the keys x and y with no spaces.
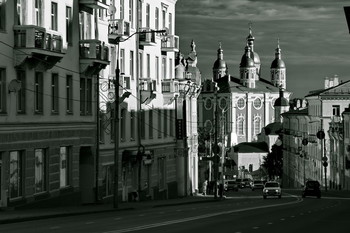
{"x":15,"y":85}
{"x":111,"y":9}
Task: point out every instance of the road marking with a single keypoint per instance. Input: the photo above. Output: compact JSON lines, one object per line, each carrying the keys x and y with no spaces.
{"x":87,"y":223}
{"x":292,"y":216}
{"x":178,"y":210}
{"x":269,"y":223}
{"x":117,"y":218}
{"x":282,"y":219}
{"x":148,"y":226}
{"x":255,"y":228}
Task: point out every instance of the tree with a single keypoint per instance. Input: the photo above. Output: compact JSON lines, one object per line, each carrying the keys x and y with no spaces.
{"x":273,"y":162}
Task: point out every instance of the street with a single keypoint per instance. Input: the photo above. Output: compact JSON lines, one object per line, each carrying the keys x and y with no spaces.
{"x":247,"y":213}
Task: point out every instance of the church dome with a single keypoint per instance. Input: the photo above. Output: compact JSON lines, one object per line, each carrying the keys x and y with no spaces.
{"x":247,"y":61}
{"x":219,"y":64}
{"x":255,"y":57}
{"x":281,"y":100}
{"x":277,"y":63}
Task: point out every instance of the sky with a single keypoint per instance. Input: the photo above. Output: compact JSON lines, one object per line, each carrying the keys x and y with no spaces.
{"x":314,"y":37}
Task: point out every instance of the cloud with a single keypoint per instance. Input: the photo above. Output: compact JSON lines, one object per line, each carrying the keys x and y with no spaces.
{"x":254,"y":10}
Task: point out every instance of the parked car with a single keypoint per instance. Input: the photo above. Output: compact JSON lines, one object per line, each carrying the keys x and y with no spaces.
{"x":272,"y":188}
{"x":240,"y":183}
{"x":257,"y":184}
{"x":231,"y":185}
{"x":246,"y":182}
{"x":311,"y":188}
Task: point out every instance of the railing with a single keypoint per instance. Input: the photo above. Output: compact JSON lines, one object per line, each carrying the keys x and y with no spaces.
{"x":118,"y":28}
{"x":30,"y":36}
{"x":170,"y":86}
{"x":147,"y":37}
{"x":170,"y":42}
{"x":93,"y":49}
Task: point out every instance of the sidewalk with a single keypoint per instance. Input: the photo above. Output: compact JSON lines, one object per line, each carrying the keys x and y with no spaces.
{"x":12,"y":216}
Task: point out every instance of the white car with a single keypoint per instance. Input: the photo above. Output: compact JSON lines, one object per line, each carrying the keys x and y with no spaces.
{"x":272,"y":188}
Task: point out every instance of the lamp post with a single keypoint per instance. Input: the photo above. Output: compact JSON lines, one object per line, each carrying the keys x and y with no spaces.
{"x":117,"y":41}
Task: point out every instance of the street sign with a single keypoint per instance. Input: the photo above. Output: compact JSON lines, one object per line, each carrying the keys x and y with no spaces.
{"x":320,"y":135}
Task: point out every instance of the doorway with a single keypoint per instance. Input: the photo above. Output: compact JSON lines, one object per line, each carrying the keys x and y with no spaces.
{"x":86,"y":175}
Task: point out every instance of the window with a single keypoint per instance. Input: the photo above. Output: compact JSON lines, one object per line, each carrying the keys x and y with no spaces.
{"x":38,"y":93}
{"x":250,"y":167}
{"x":240,"y":103}
{"x":143,"y":126}
{"x":161,"y":173}
{"x":132,"y":125}
{"x":223,"y":103}
{"x":85,"y":96}
{"x":257,"y":103}
{"x":208,"y":104}
{"x":165,"y":129}
{"x":140,"y":15}
{"x":170,"y":68}
{"x":122,"y":61}
{"x":131,"y":13}
{"x":108,"y":180}
{"x":148,"y":66}
{"x":164,"y":67}
{"x":101,"y":14}
{"x":164,"y":17}
{"x":336,"y":110}
{"x":121,"y":9}
{"x":3,"y":92}
{"x":54,"y":16}
{"x":157,"y":69}
{"x":170,"y":24}
{"x":64,"y":166}
{"x":20,"y":13}
{"x":16,"y":168}
{"x":147,"y":15}
{"x":257,"y":125}
{"x":40,"y":171}
{"x":69,"y":93}
{"x":2,"y":15}
{"x":123,"y":125}
{"x":150,"y":124}
{"x":157,"y":18}
{"x":141,"y":65}
{"x":38,"y":8}
{"x":240,"y":126}
{"x":21,"y":93}
{"x":159,"y":123}
{"x":54,"y":93}
{"x":132,"y":65}
{"x":69,"y":26}
{"x":126,"y":83}
{"x":85,"y":26}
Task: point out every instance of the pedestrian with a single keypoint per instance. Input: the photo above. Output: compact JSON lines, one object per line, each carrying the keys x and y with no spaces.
{"x":204,"y":187}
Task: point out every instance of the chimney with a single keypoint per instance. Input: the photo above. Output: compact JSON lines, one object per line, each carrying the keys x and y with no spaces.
{"x":326,"y":82}
{"x":335,"y":80}
{"x":331,"y":82}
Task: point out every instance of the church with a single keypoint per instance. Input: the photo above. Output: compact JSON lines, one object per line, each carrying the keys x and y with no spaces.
{"x":234,"y":110}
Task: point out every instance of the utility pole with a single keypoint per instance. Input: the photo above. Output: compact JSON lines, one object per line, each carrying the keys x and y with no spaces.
{"x":216,"y":147}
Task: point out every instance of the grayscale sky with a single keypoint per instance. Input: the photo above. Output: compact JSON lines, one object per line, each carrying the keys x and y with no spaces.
{"x":314,"y":36}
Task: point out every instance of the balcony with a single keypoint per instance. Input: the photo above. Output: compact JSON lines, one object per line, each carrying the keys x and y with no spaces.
{"x":37,"y":47}
{"x":93,"y":57}
{"x":170,"y":89}
{"x":170,"y":43}
{"x":118,"y":30}
{"x":89,"y":5}
{"x":148,"y":87}
{"x":147,"y":39}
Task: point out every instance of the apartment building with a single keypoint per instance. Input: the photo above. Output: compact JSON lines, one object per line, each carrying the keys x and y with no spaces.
{"x":50,"y":61}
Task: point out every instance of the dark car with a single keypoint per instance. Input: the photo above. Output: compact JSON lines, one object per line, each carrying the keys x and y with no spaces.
{"x":240,"y":183}
{"x":231,"y":185}
{"x":257,"y":184}
{"x":312,"y":188}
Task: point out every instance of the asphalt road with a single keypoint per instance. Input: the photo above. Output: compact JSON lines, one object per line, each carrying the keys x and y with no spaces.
{"x":237,"y":214}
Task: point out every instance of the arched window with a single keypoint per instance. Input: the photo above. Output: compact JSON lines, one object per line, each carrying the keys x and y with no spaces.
{"x":240,"y":126}
{"x":257,"y":125}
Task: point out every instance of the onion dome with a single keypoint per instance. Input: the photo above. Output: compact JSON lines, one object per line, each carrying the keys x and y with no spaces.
{"x":250,"y":42}
{"x":278,"y":62}
{"x":246,"y":60}
{"x":220,"y":62}
{"x":281,"y":101}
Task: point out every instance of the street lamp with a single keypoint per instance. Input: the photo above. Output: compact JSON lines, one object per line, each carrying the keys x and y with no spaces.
{"x":117,"y":40}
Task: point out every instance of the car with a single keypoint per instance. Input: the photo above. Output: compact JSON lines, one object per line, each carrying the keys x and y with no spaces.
{"x":246,"y":182}
{"x":272,"y":188}
{"x":240,"y":183}
{"x":257,"y":184}
{"x":311,"y":188}
{"x":231,"y":185}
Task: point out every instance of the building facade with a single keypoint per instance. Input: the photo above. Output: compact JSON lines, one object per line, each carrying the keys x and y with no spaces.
{"x":244,"y":103}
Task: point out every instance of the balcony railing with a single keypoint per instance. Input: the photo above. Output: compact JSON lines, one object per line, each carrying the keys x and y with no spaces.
{"x":34,"y":37}
{"x":170,"y":43}
{"x":93,"y":49}
{"x":148,"y":38}
{"x":96,"y":4}
{"x":118,"y":28}
{"x":170,"y":86}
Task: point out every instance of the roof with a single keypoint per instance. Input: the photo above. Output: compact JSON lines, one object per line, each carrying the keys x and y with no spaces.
{"x":343,"y":89}
{"x":281,"y":101}
{"x":278,"y":63}
{"x":303,"y":111}
{"x":261,"y":86}
{"x":273,"y":128}
{"x":251,"y":147}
